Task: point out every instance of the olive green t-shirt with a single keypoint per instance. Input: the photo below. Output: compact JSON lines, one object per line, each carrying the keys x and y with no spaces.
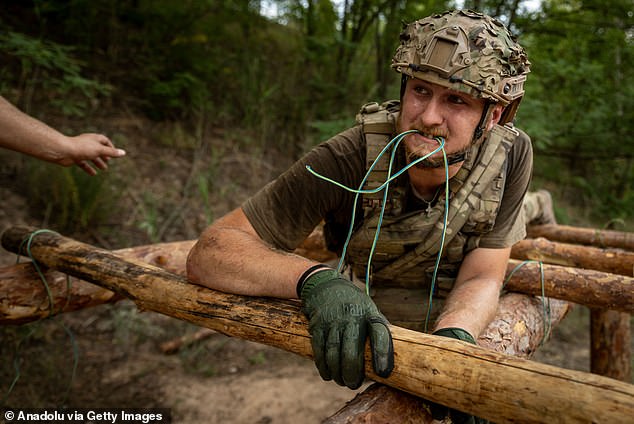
{"x":287,"y":209}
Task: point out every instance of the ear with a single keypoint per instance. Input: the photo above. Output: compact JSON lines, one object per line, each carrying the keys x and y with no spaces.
{"x":496,"y":114}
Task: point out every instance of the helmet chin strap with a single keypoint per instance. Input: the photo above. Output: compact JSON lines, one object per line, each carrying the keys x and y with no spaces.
{"x":481,"y":127}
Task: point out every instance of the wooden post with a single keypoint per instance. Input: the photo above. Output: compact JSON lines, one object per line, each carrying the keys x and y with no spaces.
{"x":585,"y":236}
{"x":610,"y":339}
{"x":469,"y":378}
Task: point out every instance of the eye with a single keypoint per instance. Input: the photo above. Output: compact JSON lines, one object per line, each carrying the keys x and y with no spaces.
{"x":456,"y":99}
{"x":420,"y":89}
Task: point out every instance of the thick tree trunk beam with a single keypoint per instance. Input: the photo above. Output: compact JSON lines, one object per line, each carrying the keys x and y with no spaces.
{"x":594,"y":289}
{"x":615,"y":261}
{"x":522,"y":323}
{"x":585,"y":236}
{"x":488,"y":384}
{"x":380,"y":404}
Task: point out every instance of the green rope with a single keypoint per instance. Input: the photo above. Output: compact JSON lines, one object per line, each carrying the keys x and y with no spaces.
{"x":16,"y":365}
{"x":28,"y":240}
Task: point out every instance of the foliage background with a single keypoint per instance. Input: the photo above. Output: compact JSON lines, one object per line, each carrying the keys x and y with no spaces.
{"x":281,"y":75}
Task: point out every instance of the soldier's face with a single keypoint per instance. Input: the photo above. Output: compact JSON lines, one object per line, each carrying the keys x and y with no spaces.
{"x":438,"y":111}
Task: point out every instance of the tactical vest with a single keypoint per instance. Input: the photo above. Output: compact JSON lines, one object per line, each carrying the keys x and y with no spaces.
{"x":408,"y":245}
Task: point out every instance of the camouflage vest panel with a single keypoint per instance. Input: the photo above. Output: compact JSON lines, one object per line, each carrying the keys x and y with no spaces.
{"x":406,"y":251}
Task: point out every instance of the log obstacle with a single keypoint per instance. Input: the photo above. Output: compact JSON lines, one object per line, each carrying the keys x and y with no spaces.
{"x":487,"y":384}
{"x":24,"y":298}
{"x":585,"y":236}
{"x":610,"y":350}
{"x":615,"y":261}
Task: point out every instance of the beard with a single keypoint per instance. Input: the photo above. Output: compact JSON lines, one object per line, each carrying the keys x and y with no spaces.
{"x":415,"y":154}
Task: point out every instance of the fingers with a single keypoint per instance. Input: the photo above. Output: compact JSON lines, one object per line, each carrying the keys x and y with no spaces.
{"x":101,"y":163}
{"x":87,"y":168}
{"x":333,"y":355}
{"x":91,"y":146}
{"x":96,"y":148}
{"x":352,"y":355}
{"x":338,"y":355}
{"x":382,"y":346}
{"x":318,"y":343}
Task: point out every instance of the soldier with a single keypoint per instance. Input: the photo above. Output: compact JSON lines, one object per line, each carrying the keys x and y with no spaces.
{"x":462,"y":79}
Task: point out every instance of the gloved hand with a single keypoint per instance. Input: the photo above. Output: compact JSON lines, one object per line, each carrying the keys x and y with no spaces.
{"x":340,"y":317}
{"x":439,"y":412}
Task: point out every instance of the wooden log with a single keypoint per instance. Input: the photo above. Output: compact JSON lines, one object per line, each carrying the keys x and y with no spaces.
{"x":518,"y":329}
{"x":594,"y":289}
{"x":585,"y":236}
{"x":615,"y":261}
{"x":488,"y":384}
{"x":25,"y":297}
{"x":380,"y":404}
{"x":610,"y":341}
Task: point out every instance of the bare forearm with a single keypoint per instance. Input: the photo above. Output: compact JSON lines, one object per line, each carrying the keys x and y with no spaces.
{"x":470,"y":306}
{"x":27,"y":135}
{"x":473,"y":301}
{"x":237,"y":261}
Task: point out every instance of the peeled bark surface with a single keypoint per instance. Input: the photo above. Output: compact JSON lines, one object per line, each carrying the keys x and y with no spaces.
{"x":488,"y":384}
{"x":615,"y":261}
{"x":585,"y":236}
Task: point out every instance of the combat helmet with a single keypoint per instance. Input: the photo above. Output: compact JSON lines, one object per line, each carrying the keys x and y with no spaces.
{"x":466,"y":51}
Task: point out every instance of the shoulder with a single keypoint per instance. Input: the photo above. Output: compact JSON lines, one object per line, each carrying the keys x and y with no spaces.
{"x":521,"y":153}
{"x":522,"y":142}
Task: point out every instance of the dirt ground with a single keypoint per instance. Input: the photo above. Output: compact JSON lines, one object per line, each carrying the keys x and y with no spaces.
{"x":117,"y":349}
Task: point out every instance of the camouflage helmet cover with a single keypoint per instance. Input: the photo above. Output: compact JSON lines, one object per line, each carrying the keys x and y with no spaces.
{"x":466,"y":51}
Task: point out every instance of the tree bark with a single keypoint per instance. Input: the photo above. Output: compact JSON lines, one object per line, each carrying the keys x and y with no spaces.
{"x":584,"y":236}
{"x":25,"y":297}
{"x":615,"y":261}
{"x":610,"y":341}
{"x":487,"y":384}
{"x":594,"y":289}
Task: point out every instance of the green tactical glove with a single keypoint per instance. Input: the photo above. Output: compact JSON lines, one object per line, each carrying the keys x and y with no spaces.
{"x":340,"y":317}
{"x":439,"y":412}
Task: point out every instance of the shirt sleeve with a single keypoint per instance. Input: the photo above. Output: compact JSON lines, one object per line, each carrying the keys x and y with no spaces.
{"x":288,"y":208}
{"x":509,"y":225}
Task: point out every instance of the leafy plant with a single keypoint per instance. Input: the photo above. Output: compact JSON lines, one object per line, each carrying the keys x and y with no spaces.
{"x":51,"y":68}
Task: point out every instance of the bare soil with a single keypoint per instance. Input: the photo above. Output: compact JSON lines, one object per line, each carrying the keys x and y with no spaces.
{"x":116,"y":348}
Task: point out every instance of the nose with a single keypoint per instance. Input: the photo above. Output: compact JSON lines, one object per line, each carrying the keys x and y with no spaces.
{"x":432,"y":113}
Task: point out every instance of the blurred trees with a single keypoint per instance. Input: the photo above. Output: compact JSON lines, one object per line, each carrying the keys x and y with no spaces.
{"x":579,"y":107}
{"x":314,"y":62}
